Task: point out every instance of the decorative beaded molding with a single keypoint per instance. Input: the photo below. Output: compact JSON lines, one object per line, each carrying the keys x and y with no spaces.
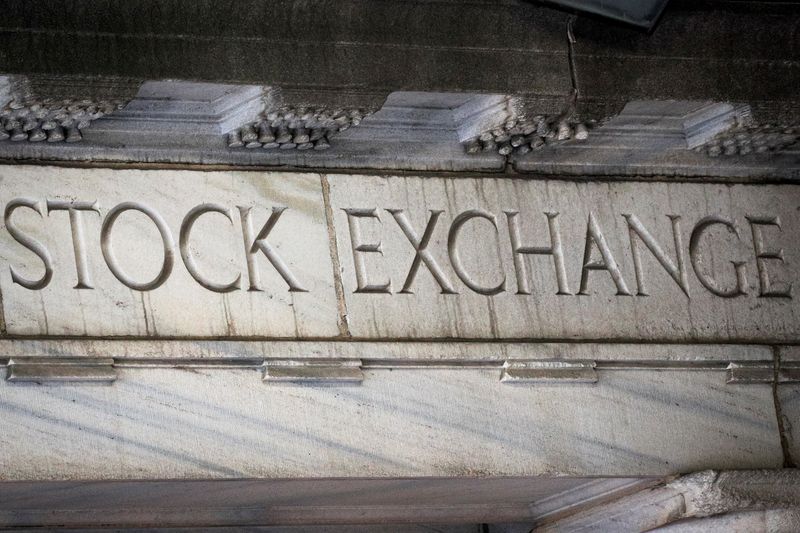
{"x":296,"y":128}
{"x":171,"y":121}
{"x":35,"y":120}
{"x":757,"y":139}
{"x":522,"y":135}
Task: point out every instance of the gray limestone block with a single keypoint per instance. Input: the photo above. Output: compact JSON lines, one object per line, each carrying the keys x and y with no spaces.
{"x":358,"y":45}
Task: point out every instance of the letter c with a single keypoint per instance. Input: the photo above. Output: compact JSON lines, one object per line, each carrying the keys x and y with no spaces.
{"x":455,"y":258}
{"x":188,"y":259}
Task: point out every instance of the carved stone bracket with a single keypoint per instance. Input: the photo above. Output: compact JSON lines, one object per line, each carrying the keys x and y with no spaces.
{"x":332,"y":371}
{"x":763,"y":372}
{"x":666,"y":138}
{"x":61,"y":369}
{"x":169,"y":113}
{"x":522,"y":372}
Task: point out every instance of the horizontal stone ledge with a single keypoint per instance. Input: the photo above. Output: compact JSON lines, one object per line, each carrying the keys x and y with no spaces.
{"x":340,"y":372}
{"x":343,"y":363}
{"x":406,"y":354}
{"x":346,"y":501}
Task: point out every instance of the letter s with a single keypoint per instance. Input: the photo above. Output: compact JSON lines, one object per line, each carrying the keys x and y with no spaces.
{"x":30,"y":243}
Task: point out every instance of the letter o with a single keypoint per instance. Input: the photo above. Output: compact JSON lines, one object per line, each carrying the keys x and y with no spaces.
{"x":108,"y":250}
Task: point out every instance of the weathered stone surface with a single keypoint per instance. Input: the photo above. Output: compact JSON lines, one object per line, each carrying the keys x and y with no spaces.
{"x":738,"y":500}
{"x":159,"y":423}
{"x":772,"y":520}
{"x":712,"y":493}
{"x":482,"y":289}
{"x":260,"y":303}
{"x":6,"y":86}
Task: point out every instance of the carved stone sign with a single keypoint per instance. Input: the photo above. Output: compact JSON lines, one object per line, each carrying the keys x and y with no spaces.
{"x":104,"y":252}
{"x":278,"y":255}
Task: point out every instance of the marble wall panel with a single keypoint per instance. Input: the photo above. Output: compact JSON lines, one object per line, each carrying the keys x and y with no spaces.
{"x":156,"y":423}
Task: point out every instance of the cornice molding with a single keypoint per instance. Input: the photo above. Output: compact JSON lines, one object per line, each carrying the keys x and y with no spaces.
{"x":240,"y":125}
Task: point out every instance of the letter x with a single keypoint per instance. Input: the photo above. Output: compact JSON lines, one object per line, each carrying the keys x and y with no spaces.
{"x":422,"y":254}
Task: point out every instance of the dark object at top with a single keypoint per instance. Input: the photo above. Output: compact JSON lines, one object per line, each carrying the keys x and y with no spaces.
{"x":642,"y":13}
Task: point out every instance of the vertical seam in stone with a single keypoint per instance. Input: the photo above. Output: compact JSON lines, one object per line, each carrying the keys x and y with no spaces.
{"x":3,"y":330}
{"x":344,"y":329}
{"x":788,"y":461}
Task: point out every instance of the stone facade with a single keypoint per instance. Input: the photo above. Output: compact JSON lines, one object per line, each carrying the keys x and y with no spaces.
{"x":272,"y":300}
